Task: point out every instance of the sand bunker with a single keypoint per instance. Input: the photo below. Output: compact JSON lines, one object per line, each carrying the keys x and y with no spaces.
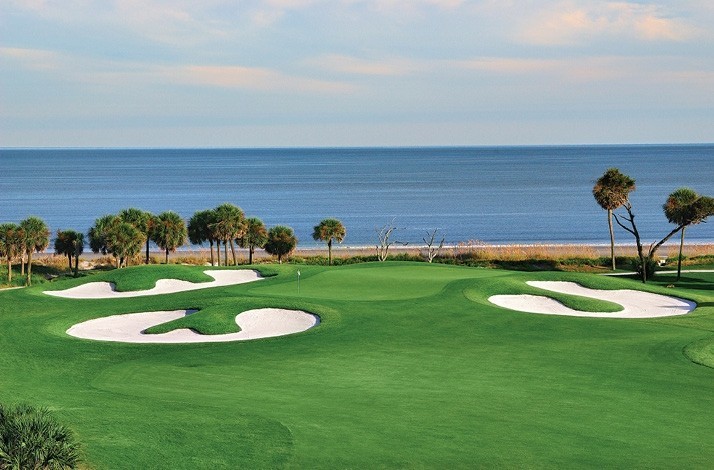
{"x":635,"y":304}
{"x":254,"y":324}
{"x":106,"y":290}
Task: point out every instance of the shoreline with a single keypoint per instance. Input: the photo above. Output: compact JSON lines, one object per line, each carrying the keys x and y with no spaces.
{"x":537,"y":250}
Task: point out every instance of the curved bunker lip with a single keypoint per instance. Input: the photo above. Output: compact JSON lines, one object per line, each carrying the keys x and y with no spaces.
{"x":106,"y":290}
{"x":254,"y":324}
{"x":635,"y":303}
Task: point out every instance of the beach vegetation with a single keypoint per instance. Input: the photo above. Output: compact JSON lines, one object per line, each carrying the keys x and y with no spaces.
{"x":611,"y":191}
{"x":255,"y":235}
{"x":684,"y":207}
{"x":327,"y":231}
{"x":169,"y":232}
{"x":36,"y":239}
{"x":281,"y":241}
{"x":32,"y":438}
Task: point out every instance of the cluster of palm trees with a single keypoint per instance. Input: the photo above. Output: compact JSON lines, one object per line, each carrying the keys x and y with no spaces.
{"x":124,"y":234}
{"x":683,"y":207}
{"x":19,"y":241}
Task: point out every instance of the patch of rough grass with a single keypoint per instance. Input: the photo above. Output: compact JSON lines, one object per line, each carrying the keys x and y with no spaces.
{"x":701,"y":352}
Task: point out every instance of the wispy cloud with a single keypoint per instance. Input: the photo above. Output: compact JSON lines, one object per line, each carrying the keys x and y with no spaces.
{"x":571,"y":22}
{"x":357,"y":66}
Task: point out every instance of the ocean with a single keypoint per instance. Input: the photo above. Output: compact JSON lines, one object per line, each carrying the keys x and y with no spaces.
{"x":496,"y":195}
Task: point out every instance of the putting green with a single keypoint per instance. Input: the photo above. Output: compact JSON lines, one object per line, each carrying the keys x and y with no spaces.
{"x":411,"y":366}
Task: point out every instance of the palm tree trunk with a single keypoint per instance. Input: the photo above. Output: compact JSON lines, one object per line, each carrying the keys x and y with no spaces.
{"x":22,"y":264}
{"x":167,"y":256}
{"x":233,"y":252}
{"x":69,"y":258}
{"x":251,"y":249}
{"x":76,"y":265}
{"x":29,"y":268}
{"x":225,"y":252}
{"x":211,"y":243}
{"x":147,"y":251}
{"x":679,"y":261}
{"x":612,"y":238}
{"x":329,"y":251}
{"x":9,"y":269}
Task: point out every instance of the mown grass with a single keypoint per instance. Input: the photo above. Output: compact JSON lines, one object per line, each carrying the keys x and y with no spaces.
{"x":411,"y":367}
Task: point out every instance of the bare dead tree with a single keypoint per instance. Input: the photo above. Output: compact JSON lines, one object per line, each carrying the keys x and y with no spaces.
{"x":383,"y":240}
{"x":431,"y":250}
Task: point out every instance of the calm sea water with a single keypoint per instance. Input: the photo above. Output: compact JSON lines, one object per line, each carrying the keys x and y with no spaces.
{"x":496,"y":194}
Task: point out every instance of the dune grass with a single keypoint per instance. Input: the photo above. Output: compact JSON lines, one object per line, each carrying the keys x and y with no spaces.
{"x":411,"y":367}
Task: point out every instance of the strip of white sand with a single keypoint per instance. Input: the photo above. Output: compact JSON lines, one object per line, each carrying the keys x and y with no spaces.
{"x":635,"y":304}
{"x":254,"y":324}
{"x":106,"y":290}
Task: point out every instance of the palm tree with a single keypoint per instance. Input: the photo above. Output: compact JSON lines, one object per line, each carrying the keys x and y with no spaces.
{"x":199,"y":230}
{"x":328,"y":230}
{"x":685,"y":207}
{"x":255,"y":235}
{"x":32,"y":438}
{"x":78,"y":246}
{"x":64,"y":244}
{"x":37,"y":238}
{"x":612,"y":191}
{"x":169,"y":232}
{"x":11,"y":243}
{"x":143,"y":221}
{"x":97,"y":233}
{"x":228,"y":226}
{"x":125,"y":241}
{"x":281,"y":241}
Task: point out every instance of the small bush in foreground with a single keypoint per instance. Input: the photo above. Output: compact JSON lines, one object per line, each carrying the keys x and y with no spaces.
{"x":31,"y":438}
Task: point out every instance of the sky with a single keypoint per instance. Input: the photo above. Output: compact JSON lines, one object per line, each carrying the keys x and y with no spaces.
{"x":325,"y":73}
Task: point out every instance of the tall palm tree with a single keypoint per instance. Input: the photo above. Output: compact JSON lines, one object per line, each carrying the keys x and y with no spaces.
{"x":169,"y":232}
{"x":143,"y":222}
{"x":11,"y":243}
{"x":328,"y":230}
{"x":37,"y":238}
{"x":255,"y":235}
{"x":685,"y":207}
{"x":612,"y":191}
{"x":281,"y":241}
{"x":228,"y":226}
{"x":199,"y":229}
{"x":32,"y":438}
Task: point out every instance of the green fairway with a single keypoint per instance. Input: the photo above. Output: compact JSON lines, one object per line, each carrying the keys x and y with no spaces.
{"x":410,"y":367}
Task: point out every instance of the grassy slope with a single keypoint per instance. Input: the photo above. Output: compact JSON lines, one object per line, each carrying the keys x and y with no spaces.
{"x":410,"y":367}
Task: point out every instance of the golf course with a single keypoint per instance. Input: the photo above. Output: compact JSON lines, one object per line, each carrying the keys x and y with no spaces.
{"x":390,"y":365}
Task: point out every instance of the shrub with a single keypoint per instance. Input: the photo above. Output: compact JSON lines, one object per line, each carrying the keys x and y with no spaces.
{"x":31,"y":438}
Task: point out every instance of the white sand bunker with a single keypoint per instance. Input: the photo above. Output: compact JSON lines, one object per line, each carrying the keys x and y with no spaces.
{"x":635,"y":304}
{"x":106,"y":290}
{"x":254,"y":324}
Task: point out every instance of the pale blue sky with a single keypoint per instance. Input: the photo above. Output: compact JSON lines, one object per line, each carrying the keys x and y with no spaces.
{"x":215,"y":73}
